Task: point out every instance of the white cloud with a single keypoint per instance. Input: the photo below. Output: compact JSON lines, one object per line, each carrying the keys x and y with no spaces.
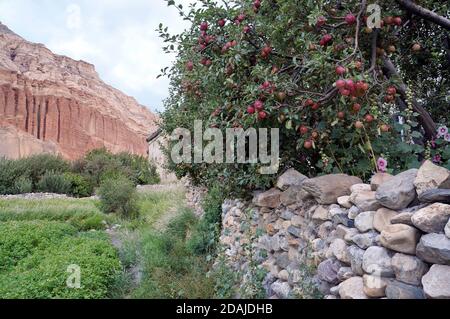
{"x":73,"y":19}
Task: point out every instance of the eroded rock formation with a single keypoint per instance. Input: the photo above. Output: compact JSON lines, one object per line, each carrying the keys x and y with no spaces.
{"x":51,"y":103}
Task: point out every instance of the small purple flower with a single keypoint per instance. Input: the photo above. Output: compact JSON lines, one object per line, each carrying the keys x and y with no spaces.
{"x":433,"y":143}
{"x":437,"y":159}
{"x":447,"y":137}
{"x":382,"y":164}
{"x":442,"y":131}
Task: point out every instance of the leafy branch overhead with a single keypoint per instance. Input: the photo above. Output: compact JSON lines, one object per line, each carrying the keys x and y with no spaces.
{"x":344,"y":94}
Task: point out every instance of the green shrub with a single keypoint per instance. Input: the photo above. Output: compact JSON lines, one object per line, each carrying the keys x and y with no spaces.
{"x":79,"y":185}
{"x":207,"y":232}
{"x":22,"y":185}
{"x":52,"y":182}
{"x":44,"y":274}
{"x":118,"y":195}
{"x":19,"y":239}
{"x":82,"y":214}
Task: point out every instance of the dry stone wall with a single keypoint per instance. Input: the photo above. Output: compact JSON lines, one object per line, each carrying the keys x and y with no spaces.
{"x":336,"y":237}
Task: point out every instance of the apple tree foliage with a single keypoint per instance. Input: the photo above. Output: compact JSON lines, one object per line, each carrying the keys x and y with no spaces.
{"x":343,"y":94}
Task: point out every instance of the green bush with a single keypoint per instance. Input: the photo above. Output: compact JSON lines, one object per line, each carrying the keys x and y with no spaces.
{"x":22,"y":185}
{"x":206,"y":234}
{"x":52,"y":182}
{"x":20,"y":239}
{"x":79,"y":185}
{"x":118,"y":195}
{"x":43,"y":274}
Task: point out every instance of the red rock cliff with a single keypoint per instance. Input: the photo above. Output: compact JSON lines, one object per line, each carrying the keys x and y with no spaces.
{"x":51,"y":103}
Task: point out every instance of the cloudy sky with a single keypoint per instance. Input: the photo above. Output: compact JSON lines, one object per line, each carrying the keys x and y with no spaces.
{"x":117,"y":36}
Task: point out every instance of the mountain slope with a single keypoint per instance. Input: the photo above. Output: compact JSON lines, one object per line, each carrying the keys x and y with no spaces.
{"x":63,"y":105}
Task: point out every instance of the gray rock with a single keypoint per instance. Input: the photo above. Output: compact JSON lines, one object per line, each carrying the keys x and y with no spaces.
{"x":378,"y":179}
{"x":286,"y":215}
{"x":377,"y":262}
{"x":434,"y":248}
{"x":433,"y":218}
{"x":365,"y":200}
{"x":328,"y":270}
{"x":281,"y":289}
{"x":399,"y":191}
{"x":408,"y":269}
{"x":294,"y":231}
{"x":289,"y":196}
{"x":364,"y":221}
{"x":436,"y":283}
{"x":325,"y":229}
{"x":353,"y":212}
{"x":344,"y":232}
{"x":399,"y":290}
{"x":343,"y":220}
{"x":334,"y":290}
{"x":435,"y":195}
{"x":326,"y":189}
{"x":382,"y":218}
{"x":290,"y":178}
{"x":356,"y":188}
{"x":271,"y":198}
{"x":400,"y":237}
{"x":345,"y":273}
{"x":402,"y":218}
{"x":431,"y":176}
{"x":356,"y":259}
{"x":365,"y":240}
{"x":282,"y":260}
{"x":339,"y":248}
{"x":352,"y":288}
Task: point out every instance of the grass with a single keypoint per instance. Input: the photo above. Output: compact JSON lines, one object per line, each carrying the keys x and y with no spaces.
{"x":83,"y":214}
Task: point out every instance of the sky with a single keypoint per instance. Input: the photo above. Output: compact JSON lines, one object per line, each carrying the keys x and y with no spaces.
{"x":117,"y":36}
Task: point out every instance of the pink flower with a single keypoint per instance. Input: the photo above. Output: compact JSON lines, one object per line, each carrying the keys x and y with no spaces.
{"x":447,"y":137}
{"x":437,"y":158}
{"x":442,"y":131}
{"x":382,"y":164}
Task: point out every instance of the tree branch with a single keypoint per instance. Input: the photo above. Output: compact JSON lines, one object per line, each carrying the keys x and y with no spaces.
{"x":425,"y":13}
{"x":424,"y":117}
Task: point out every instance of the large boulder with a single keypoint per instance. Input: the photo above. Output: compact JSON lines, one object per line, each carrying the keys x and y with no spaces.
{"x":400,"y":237}
{"x":378,"y":179}
{"x":399,"y":290}
{"x":365,"y":200}
{"x":432,"y":219}
{"x":290,"y":178}
{"x":270,"y":199}
{"x":352,"y":288}
{"x":382,"y":218}
{"x":408,"y":269}
{"x":364,"y":221}
{"x":398,"y":192}
{"x":377,"y":262}
{"x":326,"y":189}
{"x":434,"y":248}
{"x":435,"y":195}
{"x":436,"y":283}
{"x":431,"y":176}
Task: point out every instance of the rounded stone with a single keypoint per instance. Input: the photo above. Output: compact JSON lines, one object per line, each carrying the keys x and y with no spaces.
{"x":436,"y":282}
{"x":434,"y":248}
{"x":408,"y":269}
{"x":364,"y":221}
{"x":352,"y":288}
{"x":375,"y":286}
{"x":400,"y":237}
{"x":377,"y":261}
{"x":382,"y":218}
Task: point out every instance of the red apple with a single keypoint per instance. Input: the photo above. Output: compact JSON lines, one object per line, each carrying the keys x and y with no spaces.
{"x":315,"y":106}
{"x":341,"y":115}
{"x":259,"y":105}
{"x":398,"y":21}
{"x":356,"y":107}
{"x":350,"y":19}
{"x":359,"y":124}
{"x":391,"y":90}
{"x":321,"y":21}
{"x":309,"y":102}
{"x":340,"y":84}
{"x":250,"y":110}
{"x":262,"y":115}
{"x":303,"y":129}
{"x":204,"y":26}
{"x":340,"y":70}
{"x":369,"y":118}
{"x":221,"y":23}
{"x":307,"y":145}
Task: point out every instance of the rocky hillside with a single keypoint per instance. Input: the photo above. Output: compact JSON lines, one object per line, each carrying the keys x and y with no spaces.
{"x":52,"y":103}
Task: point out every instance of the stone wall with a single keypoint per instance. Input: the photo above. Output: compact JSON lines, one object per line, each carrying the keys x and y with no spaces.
{"x":335,"y":237}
